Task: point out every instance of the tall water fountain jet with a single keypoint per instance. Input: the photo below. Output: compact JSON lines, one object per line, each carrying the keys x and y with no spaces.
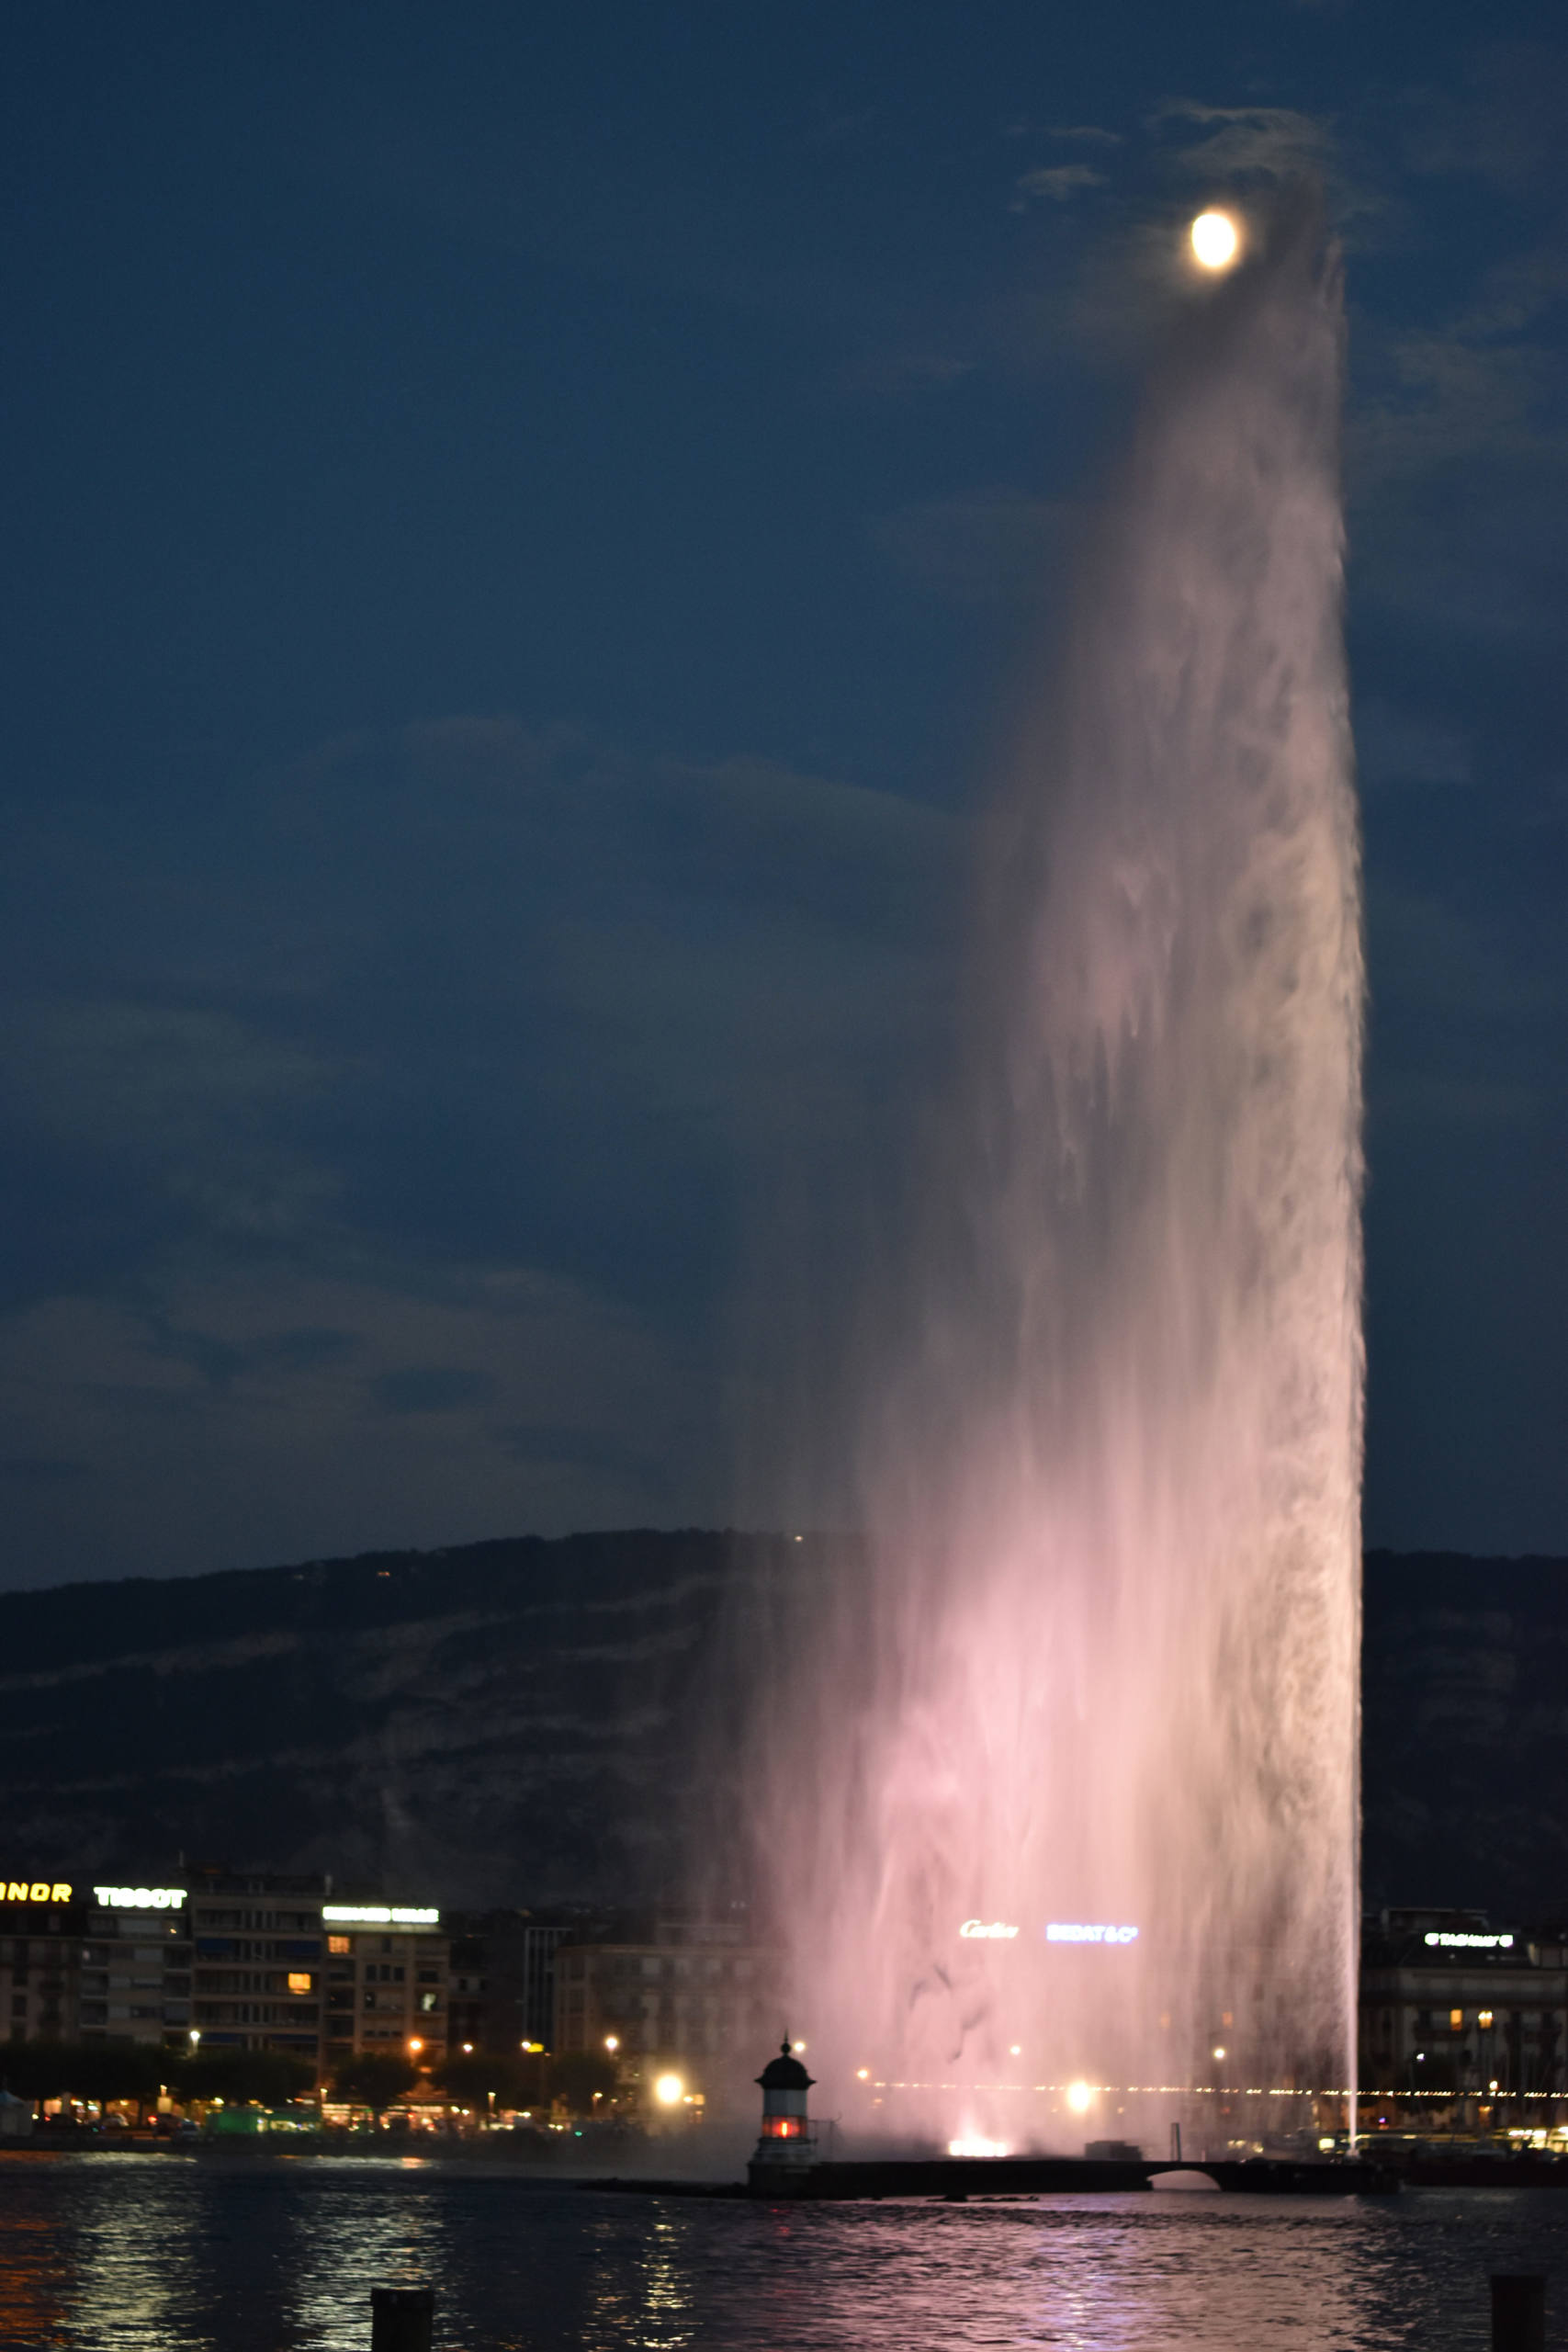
{"x":1101,"y":1668}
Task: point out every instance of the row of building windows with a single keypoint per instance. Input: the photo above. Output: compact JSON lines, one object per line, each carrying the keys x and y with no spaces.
{"x":203,"y":1919}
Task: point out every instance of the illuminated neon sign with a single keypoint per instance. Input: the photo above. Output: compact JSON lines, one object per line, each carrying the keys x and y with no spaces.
{"x":990,"y":1931}
{"x":1063,"y":1931}
{"x":1469,"y":1943}
{"x":36,"y":1890}
{"x":378,"y":1914}
{"x":139,"y":1898}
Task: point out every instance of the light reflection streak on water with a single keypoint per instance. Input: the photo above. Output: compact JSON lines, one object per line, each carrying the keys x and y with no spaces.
{"x":135,"y":2263}
{"x":126,"y":2253}
{"x":347,"y":2238}
{"x":35,"y":2271}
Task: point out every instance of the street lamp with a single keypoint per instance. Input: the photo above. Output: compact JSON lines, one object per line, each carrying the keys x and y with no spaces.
{"x":612,"y":2042}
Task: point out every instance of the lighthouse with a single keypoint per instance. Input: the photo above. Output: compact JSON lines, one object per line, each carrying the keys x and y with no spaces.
{"x":787,"y":2145}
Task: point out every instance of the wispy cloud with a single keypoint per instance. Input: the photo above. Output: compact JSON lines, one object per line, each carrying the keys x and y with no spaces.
{"x":1058,"y":183}
{"x":1266,"y":143}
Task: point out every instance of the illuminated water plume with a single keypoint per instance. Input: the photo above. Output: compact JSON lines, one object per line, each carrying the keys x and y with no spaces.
{"x":1103,"y":1664}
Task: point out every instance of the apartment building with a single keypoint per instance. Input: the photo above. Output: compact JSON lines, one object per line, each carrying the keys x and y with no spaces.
{"x":84,"y":1962}
{"x":691,"y":1994}
{"x":287,"y":1963}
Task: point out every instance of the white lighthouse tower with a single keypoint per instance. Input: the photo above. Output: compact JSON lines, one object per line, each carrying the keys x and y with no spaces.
{"x":787,"y":2145}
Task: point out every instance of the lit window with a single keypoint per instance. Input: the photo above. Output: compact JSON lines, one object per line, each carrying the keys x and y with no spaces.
{"x":1456,"y":2019}
{"x":340,"y":1943}
{"x":298,"y":1981}
{"x":1483,"y":2017}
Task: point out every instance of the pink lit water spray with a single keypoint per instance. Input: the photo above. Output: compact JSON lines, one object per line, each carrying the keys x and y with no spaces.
{"x":1063,"y":1812}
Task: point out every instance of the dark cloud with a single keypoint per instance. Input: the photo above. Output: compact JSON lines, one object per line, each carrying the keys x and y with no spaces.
{"x":562,"y":1003}
{"x":516,"y":555}
{"x":432,"y":1388}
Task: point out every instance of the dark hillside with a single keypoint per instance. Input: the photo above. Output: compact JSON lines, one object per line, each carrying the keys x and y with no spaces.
{"x":1464,"y":1687}
{"x":524,"y":1721}
{"x":506,"y":1721}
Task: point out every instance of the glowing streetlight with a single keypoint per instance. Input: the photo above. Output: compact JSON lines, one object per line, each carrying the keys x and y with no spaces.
{"x":1220,"y":2049}
{"x":468,"y":2049}
{"x":669,"y":2091}
{"x":415,"y":2045}
{"x":1080,"y":2099}
{"x":799,"y":2049}
{"x":612,"y":2042}
{"x":194,"y":2036}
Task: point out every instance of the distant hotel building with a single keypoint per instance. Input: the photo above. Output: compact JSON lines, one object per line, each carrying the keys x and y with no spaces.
{"x":1453,"y":2006}
{"x":692,"y":1993}
{"x":286,"y":1963}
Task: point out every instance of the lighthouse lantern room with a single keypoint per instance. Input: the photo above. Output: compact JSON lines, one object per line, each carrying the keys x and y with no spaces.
{"x":786,"y":2142}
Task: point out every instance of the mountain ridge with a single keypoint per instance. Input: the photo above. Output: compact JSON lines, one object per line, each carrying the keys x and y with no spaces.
{"x":533,"y":1720}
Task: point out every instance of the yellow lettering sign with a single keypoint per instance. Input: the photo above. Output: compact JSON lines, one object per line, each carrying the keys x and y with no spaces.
{"x":16,"y":1890}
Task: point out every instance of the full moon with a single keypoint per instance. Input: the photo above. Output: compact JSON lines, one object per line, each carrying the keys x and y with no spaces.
{"x":1215,"y":239}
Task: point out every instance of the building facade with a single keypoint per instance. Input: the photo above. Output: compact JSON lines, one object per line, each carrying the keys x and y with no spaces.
{"x":692,"y":1996}
{"x":248,"y":1961}
{"x":1454,"y":2008}
{"x":286,"y":1963}
{"x":504,"y":1979}
{"x":84,"y":1963}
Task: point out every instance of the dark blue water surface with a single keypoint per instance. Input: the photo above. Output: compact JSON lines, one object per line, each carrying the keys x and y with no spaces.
{"x":138,"y":2251}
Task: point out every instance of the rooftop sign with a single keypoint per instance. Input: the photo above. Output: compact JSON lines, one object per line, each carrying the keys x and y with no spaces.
{"x":1063,"y":1931}
{"x":139,"y":1898}
{"x":1446,"y":1942}
{"x":378,"y":1914}
{"x":993,"y":1931}
{"x":34,"y":1890}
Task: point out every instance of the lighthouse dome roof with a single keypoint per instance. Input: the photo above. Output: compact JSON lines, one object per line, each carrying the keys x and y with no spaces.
{"x":784,"y":2073}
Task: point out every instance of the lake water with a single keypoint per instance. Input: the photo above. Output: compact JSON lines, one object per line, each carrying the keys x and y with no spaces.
{"x":210,"y":2254}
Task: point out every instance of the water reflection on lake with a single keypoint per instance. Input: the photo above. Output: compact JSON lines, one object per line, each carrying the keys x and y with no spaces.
{"x":211,"y":2253}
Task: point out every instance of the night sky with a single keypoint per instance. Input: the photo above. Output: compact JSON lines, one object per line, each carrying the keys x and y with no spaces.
{"x":526,"y":531}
